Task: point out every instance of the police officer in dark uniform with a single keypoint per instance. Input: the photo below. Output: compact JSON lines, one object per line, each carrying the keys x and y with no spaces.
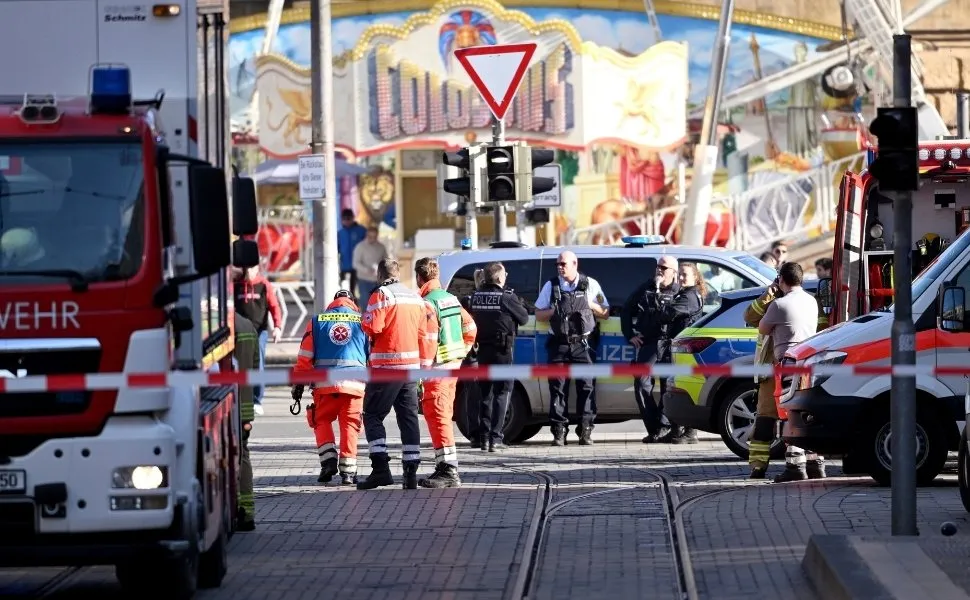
{"x":645,"y":327}
{"x":498,"y":313}
{"x":571,"y":303}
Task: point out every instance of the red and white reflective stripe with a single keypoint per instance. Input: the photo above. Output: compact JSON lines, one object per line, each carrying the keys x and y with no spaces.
{"x":115,"y":381}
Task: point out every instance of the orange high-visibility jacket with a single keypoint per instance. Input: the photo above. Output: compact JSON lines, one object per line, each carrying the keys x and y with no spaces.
{"x":469,"y":331}
{"x":403,"y":328}
{"x":345,"y":347}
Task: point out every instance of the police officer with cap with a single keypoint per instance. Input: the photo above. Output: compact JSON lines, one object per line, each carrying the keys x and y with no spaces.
{"x":571,"y":303}
{"x":498,"y":313}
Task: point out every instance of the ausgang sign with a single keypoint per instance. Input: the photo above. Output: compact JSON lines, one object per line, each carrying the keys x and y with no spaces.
{"x":402,"y":87}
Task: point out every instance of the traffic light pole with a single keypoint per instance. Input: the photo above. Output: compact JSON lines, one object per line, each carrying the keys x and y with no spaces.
{"x":903,"y":391}
{"x":498,"y":139}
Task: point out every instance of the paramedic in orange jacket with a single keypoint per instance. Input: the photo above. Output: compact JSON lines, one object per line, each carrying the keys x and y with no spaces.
{"x":403,"y":330}
{"x":456,"y":336}
{"x":335,"y":340}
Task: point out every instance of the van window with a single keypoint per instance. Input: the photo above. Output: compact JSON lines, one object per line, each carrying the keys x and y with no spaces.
{"x":523,"y":278}
{"x":619,"y":277}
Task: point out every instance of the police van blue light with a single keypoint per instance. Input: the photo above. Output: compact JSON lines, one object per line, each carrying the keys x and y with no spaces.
{"x":639,"y":241}
{"x":110,"y":89}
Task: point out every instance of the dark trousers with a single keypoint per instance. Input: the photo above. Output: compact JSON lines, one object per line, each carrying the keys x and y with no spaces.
{"x":379,"y":398}
{"x":651,"y":411}
{"x":578,"y":353}
{"x":495,"y":397}
{"x":353,"y":281}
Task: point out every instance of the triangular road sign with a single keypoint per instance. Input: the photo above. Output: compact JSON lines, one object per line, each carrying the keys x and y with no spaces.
{"x":497,"y":72}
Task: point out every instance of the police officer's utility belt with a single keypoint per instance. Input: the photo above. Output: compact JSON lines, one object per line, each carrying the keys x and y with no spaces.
{"x":570,"y":339}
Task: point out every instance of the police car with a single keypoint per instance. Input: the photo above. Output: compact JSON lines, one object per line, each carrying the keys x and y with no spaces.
{"x":619,"y":270}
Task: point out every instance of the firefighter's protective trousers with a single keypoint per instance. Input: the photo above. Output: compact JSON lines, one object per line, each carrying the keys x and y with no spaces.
{"x":346,"y":410}
{"x":438,"y":404}
{"x":763,"y":434}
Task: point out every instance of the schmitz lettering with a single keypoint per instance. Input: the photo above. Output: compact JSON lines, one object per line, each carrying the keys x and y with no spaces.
{"x":29,"y":316}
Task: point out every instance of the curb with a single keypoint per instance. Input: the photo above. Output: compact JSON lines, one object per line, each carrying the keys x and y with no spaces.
{"x":838,"y":572}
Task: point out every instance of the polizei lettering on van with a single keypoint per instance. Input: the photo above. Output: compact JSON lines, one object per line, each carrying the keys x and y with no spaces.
{"x":29,"y":316}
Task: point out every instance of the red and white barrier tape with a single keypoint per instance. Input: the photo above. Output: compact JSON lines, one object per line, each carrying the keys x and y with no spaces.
{"x":115,"y":381}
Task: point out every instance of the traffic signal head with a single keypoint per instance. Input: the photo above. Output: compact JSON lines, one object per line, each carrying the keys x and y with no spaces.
{"x":540,"y":157}
{"x":460,"y":186}
{"x":896,"y":165}
{"x":500,"y":173}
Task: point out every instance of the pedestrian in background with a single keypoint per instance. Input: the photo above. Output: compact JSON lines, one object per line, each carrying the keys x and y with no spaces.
{"x":571,"y":303}
{"x":455,"y":338}
{"x":367,"y":255}
{"x":823,"y":268}
{"x":335,"y":340}
{"x":255,"y":299}
{"x":403,"y":329}
{"x":499,"y":313}
{"x":351,"y":233}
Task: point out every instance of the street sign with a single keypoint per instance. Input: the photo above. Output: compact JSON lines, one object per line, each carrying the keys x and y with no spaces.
{"x":497,"y":72}
{"x":312,"y":186}
{"x":553,"y":197}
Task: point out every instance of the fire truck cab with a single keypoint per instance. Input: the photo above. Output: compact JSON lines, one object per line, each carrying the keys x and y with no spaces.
{"x":116,"y":240}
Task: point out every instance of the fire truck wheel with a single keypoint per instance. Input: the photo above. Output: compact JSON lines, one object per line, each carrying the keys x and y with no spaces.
{"x":963,"y":468}
{"x":875,"y":443}
{"x":214,"y":562}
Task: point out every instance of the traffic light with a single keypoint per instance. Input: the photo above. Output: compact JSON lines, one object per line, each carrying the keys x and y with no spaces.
{"x":896,"y":166}
{"x":526,"y":161}
{"x":467,"y":163}
{"x":500,"y":175}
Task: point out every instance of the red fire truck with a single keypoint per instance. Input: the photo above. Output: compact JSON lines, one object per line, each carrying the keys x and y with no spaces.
{"x":115,"y":245}
{"x":863,"y":272}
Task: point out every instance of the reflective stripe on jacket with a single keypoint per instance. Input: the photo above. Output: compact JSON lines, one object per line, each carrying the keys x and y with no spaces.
{"x":456,"y":327}
{"x":335,"y":340}
{"x":403,"y":328}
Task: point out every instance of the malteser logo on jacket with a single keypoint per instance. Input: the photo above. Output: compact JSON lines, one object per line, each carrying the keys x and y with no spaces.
{"x":122,"y":13}
{"x":340,"y":334}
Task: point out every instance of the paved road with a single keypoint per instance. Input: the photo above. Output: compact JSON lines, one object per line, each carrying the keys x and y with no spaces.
{"x":618,"y":518}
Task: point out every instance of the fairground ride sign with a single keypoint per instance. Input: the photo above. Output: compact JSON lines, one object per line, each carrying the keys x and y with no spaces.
{"x":401,"y":87}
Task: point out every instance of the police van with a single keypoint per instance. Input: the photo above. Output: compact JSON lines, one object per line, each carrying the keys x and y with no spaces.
{"x":619,"y":271}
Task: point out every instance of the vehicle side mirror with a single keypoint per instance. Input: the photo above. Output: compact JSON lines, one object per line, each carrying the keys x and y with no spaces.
{"x":209,"y":206}
{"x":824,"y":294}
{"x":952,"y":307}
{"x":245,"y":254}
{"x":245,"y":220}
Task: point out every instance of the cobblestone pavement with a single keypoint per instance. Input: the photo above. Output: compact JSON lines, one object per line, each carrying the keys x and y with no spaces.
{"x":538,"y":520}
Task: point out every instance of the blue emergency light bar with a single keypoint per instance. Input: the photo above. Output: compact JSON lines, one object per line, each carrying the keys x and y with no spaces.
{"x":639,"y":241}
{"x":466,"y":244}
{"x":110,"y":89}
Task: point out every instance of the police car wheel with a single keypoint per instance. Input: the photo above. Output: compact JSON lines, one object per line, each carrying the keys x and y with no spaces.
{"x":963,"y":468}
{"x":735,"y":420}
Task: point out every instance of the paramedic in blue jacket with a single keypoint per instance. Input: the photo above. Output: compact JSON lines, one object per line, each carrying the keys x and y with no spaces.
{"x":335,"y":340}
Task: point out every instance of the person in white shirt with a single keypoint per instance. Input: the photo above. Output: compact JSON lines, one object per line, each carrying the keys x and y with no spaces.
{"x":571,"y":303}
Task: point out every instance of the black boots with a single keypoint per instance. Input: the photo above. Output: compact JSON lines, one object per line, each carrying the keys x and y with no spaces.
{"x":483,"y":442}
{"x":558,"y":435}
{"x":657,"y":438}
{"x":328,"y":468}
{"x":679,"y":435}
{"x":380,"y":474}
{"x":585,"y":433}
{"x":688,"y":435}
{"x":410,"y":475}
{"x":444,"y":476}
{"x":497,"y":446}
{"x":815,"y":468}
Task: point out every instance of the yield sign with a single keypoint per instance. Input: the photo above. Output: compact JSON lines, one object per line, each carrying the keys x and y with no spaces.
{"x":497,"y":72}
